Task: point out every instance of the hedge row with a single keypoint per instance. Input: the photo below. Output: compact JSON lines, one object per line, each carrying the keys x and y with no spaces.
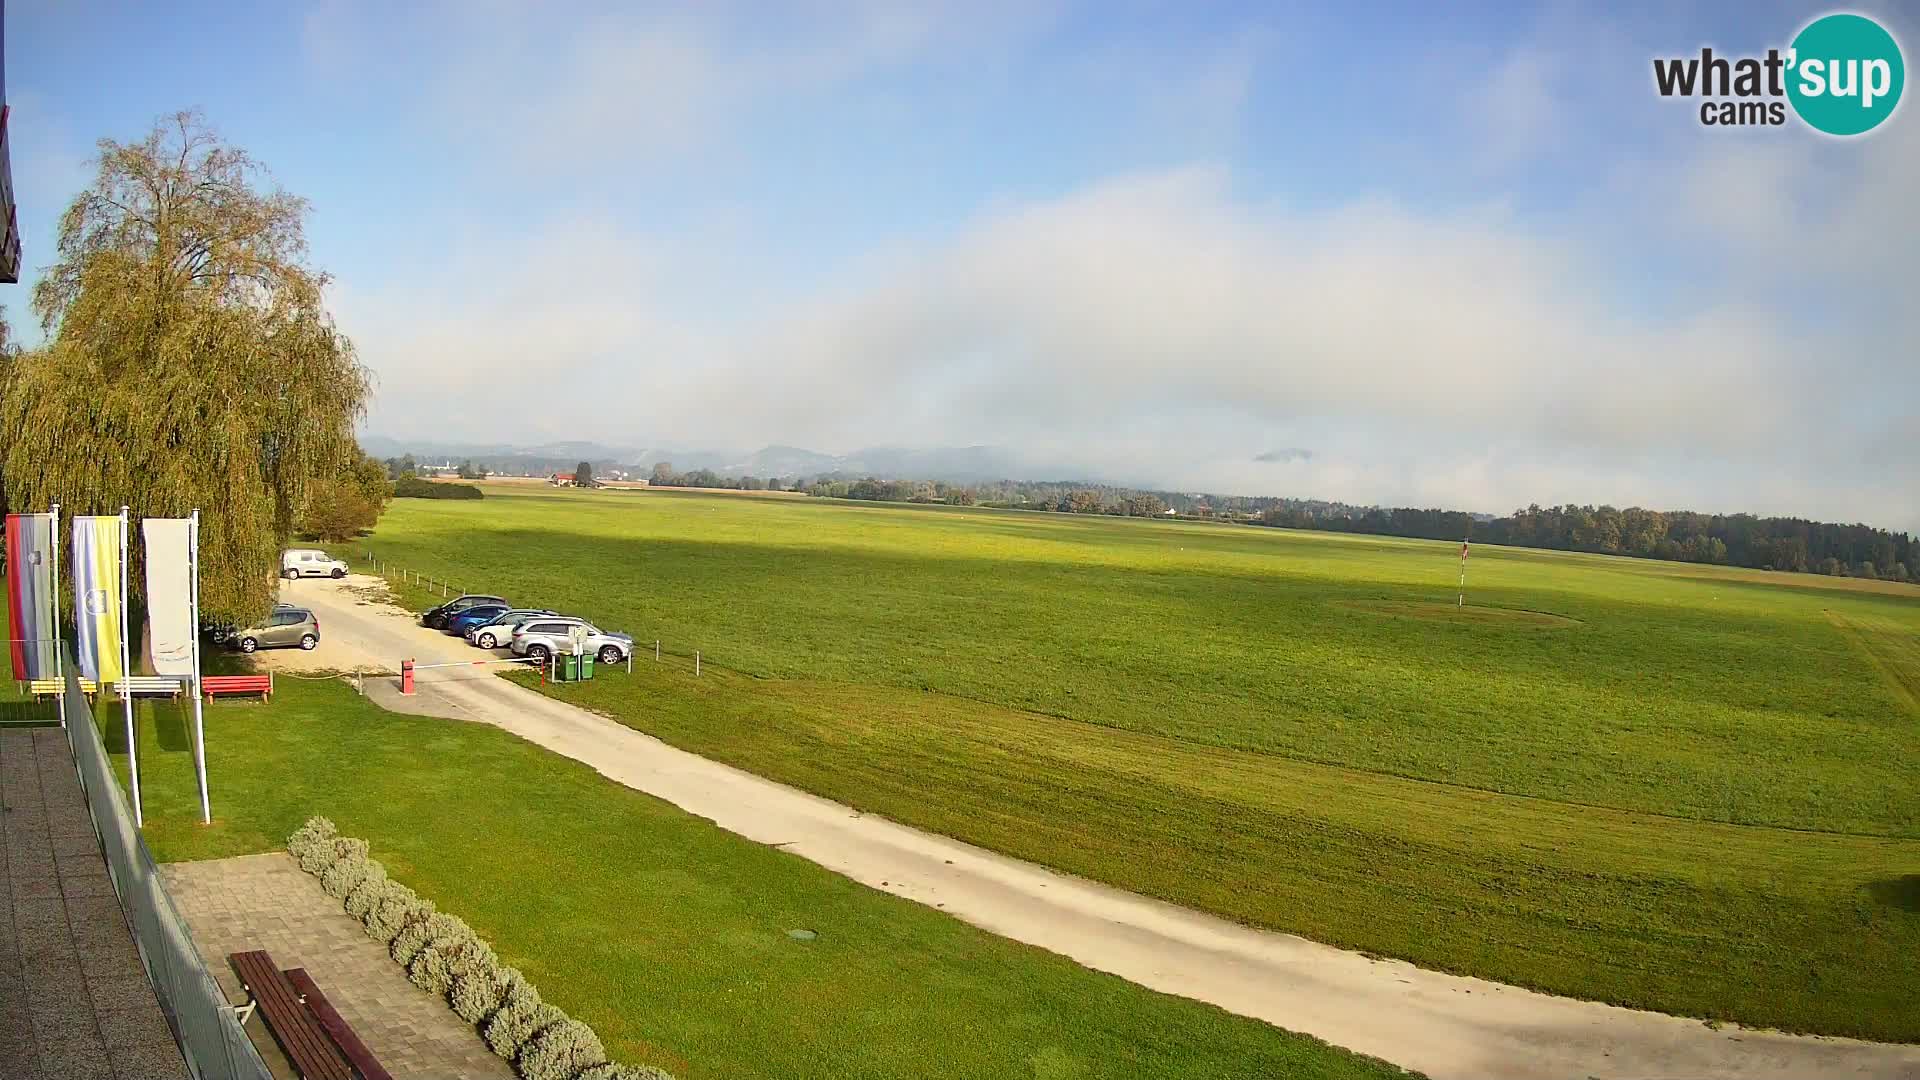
{"x":408,"y":487}
{"x":444,"y":956}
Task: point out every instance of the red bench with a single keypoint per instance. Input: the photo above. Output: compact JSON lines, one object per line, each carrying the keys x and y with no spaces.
{"x":311,"y":1052}
{"x":345,"y":1039}
{"x":237,"y":684}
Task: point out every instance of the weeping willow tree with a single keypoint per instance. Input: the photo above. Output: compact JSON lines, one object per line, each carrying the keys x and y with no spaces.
{"x":190,"y":359}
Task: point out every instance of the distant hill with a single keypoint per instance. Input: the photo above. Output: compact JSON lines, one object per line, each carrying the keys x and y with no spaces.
{"x":954,"y":465}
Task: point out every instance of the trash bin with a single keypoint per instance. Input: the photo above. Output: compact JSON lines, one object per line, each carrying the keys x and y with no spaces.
{"x":567,"y":668}
{"x":586,"y":665}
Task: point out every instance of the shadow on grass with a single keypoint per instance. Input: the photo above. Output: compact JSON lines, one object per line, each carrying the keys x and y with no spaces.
{"x":1902,"y":893}
{"x":170,"y":726}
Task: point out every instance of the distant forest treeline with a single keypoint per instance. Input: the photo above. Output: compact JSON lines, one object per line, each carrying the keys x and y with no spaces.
{"x":1769,"y":543}
{"x":1763,"y":543}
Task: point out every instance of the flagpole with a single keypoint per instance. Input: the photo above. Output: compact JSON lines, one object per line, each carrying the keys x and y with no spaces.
{"x":126,"y":673}
{"x":59,"y":666}
{"x":199,"y":721}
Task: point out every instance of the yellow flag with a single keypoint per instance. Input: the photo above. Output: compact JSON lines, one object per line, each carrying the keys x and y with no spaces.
{"x":96,"y":596}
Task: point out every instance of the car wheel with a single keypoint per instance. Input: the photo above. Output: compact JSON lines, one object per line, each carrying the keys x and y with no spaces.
{"x":610,"y":654}
{"x":247,"y":644}
{"x":290,"y":573}
{"x":539,"y":653}
{"x":486,"y":641}
{"x":338,"y":573}
{"x":309,"y":642}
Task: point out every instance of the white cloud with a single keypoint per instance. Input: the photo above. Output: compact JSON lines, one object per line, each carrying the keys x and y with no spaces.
{"x":1165,"y":326}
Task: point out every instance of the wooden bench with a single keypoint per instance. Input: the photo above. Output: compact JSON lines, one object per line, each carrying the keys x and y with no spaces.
{"x":293,"y":1025}
{"x":46,"y":688}
{"x":136,"y":685}
{"x":345,"y":1039}
{"x":237,"y":684}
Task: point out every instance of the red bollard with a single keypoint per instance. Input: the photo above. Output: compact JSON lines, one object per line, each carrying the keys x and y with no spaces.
{"x":406,"y":676}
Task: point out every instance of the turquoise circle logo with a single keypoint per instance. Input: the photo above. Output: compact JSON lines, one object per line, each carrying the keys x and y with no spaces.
{"x":1846,"y":74}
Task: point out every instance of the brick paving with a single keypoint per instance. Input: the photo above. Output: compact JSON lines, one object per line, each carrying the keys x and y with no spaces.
{"x":75,"y":1003}
{"x":266,"y":902}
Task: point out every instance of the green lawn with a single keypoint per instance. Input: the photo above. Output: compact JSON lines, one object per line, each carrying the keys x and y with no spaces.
{"x":1670,"y":786}
{"x":666,"y":933}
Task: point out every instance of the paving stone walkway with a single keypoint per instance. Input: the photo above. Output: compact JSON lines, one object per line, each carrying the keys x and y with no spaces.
{"x":75,"y":1003}
{"x":266,"y":902}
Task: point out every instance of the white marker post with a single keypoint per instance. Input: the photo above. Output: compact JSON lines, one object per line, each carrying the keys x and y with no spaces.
{"x":1460,"y":602}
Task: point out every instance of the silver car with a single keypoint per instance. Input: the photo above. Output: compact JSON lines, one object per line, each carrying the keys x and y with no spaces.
{"x":287,"y":627}
{"x":500,"y":630}
{"x":546,"y":637}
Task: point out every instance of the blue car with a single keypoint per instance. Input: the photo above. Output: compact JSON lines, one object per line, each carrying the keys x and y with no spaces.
{"x":481,"y":615}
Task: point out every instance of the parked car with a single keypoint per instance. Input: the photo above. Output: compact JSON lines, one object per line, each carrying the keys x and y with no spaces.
{"x":288,"y":626}
{"x":458,"y":624}
{"x":310,"y":562}
{"x":499,"y":631}
{"x":543,"y":637}
{"x":437,"y":617}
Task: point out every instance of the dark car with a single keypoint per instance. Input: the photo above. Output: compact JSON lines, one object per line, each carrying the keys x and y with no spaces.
{"x":477,"y":615}
{"x":437,"y":617}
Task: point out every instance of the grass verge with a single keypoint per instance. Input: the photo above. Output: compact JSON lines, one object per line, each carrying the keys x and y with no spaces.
{"x":666,"y":933}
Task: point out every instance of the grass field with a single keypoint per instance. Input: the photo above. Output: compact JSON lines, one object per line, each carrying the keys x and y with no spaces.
{"x":666,"y":933}
{"x":1671,"y":786}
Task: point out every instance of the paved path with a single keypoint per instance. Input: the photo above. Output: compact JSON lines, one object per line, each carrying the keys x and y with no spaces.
{"x":1443,"y":1025}
{"x":75,"y":1003}
{"x":266,"y":902}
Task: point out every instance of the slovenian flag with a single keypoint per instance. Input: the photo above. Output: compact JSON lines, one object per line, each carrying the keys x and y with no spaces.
{"x":30,"y":594}
{"x":96,"y":596}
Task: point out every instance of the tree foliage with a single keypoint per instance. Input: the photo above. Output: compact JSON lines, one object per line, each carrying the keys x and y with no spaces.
{"x":191,"y":360}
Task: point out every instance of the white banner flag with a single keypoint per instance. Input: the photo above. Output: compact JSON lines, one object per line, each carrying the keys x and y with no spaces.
{"x":170,"y":626}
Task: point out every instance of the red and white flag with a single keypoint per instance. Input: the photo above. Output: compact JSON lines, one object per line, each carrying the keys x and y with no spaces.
{"x":1463,"y":552}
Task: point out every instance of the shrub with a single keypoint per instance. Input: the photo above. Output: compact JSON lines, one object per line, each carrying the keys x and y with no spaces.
{"x":398,"y":906}
{"x":347,"y":869}
{"x":417,"y":935}
{"x":312,"y":844}
{"x":519,"y":1019}
{"x":367,"y":891}
{"x":560,"y":1050}
{"x":610,"y":1071}
{"x":435,"y":967}
{"x":481,"y":989}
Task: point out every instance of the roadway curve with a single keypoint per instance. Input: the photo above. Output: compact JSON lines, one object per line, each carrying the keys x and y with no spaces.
{"x":1447,"y":1026}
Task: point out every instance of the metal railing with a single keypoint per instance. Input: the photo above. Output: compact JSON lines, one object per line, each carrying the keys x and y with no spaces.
{"x":203,"y":1022}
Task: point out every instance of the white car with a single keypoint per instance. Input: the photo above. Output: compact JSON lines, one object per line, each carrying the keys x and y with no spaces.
{"x":309,"y":562}
{"x":546,"y":637}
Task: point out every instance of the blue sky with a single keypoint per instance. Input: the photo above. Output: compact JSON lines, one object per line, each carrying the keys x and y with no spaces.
{"x":1464,"y":256}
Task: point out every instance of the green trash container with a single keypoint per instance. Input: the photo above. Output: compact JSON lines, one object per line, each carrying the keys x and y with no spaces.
{"x":567,"y":669}
{"x":586,"y":665}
